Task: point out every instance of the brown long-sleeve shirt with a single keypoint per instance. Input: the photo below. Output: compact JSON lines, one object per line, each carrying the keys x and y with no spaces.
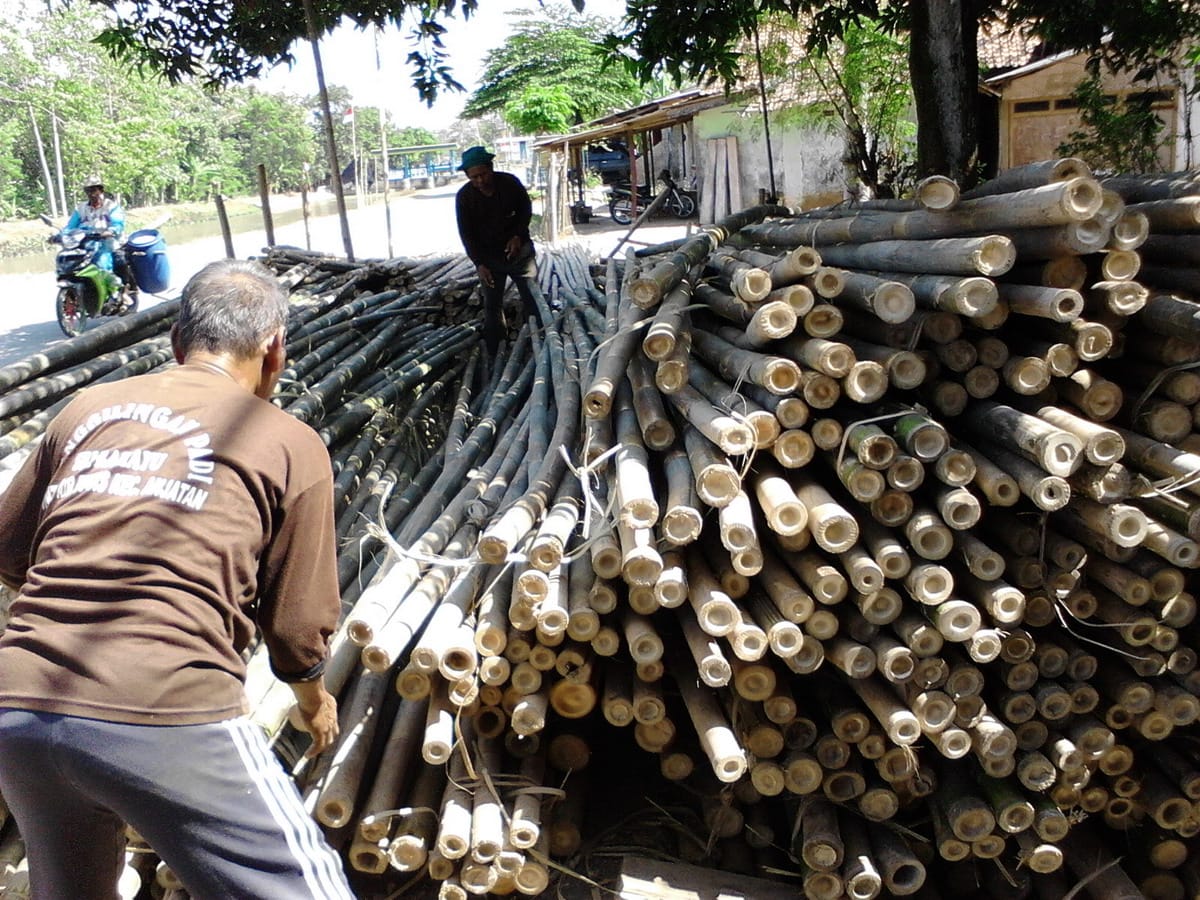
{"x":159,"y":522}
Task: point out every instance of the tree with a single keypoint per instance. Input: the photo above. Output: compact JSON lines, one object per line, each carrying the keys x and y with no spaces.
{"x":862,"y":80}
{"x":151,"y":142}
{"x":551,"y":72}
{"x":540,"y":110}
{"x":1117,"y":134}
{"x":218,"y":41}
{"x":702,"y":42}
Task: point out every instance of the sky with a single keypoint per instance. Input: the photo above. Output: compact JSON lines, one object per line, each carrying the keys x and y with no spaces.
{"x":372,"y":64}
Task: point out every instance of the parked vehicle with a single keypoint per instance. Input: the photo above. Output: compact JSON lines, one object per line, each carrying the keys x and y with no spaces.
{"x":609,"y":160}
{"x":87,"y":290}
{"x":678,"y":203}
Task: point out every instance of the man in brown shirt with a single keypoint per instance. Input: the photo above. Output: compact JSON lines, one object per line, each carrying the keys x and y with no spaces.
{"x":160,"y":523}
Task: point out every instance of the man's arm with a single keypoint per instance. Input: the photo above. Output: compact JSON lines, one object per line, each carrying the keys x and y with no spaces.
{"x":466,"y":216}
{"x":116,"y":219}
{"x":20,"y":513}
{"x":317,"y":709}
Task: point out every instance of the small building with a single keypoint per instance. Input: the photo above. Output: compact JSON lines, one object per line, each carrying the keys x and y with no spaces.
{"x":1037,"y":111}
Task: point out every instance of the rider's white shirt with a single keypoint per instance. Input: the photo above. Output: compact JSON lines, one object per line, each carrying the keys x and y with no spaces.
{"x":95,"y":217}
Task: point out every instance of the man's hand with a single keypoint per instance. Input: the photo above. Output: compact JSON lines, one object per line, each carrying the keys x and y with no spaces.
{"x":317,"y":710}
{"x":485,"y":275}
{"x":512,"y":248}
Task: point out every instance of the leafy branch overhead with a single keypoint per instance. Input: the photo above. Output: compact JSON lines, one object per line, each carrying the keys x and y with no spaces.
{"x":217,"y":42}
{"x":550,"y":73}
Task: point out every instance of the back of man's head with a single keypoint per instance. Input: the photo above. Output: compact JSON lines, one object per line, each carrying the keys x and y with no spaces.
{"x":231,"y":306}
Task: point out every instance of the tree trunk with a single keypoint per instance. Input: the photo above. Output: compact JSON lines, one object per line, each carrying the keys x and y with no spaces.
{"x":942,"y":64}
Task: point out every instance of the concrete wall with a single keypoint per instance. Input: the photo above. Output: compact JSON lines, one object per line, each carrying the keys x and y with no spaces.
{"x":807,"y":159}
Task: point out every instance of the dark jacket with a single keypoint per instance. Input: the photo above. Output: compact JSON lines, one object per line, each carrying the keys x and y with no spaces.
{"x":485,"y":224}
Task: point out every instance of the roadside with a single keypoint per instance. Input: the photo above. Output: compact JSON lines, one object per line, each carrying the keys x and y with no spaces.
{"x":600,"y":234}
{"x":29,"y":235}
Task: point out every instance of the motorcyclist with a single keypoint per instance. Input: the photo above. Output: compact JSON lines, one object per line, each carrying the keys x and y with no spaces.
{"x":102,"y":213}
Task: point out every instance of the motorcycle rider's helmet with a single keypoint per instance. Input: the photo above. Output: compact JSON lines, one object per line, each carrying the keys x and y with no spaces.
{"x":93,"y":181}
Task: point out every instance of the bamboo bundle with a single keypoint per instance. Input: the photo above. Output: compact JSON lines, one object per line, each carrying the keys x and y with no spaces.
{"x":975,"y":631}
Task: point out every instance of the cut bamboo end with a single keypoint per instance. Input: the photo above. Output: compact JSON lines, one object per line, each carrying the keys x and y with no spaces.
{"x":994,"y":255}
{"x":828,"y":282}
{"x":893,"y":302}
{"x":1120,"y":265}
{"x":937,"y":192}
{"x":866,"y":382}
{"x":1081,"y":198}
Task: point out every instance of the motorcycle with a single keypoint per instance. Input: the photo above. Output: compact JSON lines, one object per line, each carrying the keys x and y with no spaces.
{"x":87,"y":290}
{"x":678,"y":202}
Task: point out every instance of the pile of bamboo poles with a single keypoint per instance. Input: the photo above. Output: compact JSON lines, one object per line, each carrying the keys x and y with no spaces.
{"x":872,"y":527}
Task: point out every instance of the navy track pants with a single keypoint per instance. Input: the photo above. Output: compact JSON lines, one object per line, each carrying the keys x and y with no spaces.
{"x":211,"y":800}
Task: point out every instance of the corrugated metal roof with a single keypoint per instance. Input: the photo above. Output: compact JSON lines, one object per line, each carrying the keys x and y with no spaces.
{"x":662,"y":113}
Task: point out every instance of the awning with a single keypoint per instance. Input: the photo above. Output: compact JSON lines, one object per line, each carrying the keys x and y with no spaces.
{"x":662,"y":113}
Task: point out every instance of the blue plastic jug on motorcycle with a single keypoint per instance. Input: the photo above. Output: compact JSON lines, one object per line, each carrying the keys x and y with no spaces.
{"x":94,"y":278}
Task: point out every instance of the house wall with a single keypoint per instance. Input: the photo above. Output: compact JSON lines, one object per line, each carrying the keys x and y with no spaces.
{"x":1037,"y":113}
{"x":807,"y":159}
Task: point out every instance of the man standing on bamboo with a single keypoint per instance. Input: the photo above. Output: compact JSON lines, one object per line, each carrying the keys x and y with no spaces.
{"x":493,"y":211}
{"x":161,"y":521}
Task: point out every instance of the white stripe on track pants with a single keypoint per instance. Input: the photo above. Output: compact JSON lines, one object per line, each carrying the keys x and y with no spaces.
{"x":210,"y":799}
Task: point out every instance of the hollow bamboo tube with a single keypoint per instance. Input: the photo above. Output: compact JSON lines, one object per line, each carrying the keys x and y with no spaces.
{"x":892,"y":509}
{"x":617,"y":699}
{"x":529,"y":715}
{"x":777,"y":374}
{"x":898,"y":721}
{"x":1099,"y":398}
{"x":752,"y":681}
{"x":784,"y":511}
{"x":725,"y":755}
{"x":832,"y":527}
{"x":1048,"y":492}
{"x":334,"y":804}
{"x":636,"y":504}
{"x":641,"y":563}
{"x":613,"y":359}
{"x":736,"y":524}
{"x":928,"y":535}
{"x":793,"y":602}
{"x":903,"y":873}
{"x":454,"y":829}
{"x":672,"y":371}
{"x":607,"y":641}
{"x":734,"y":437}
{"x":397,"y":759}
{"x":487,"y":810}
{"x":416,"y":830}
{"x":904,"y":368}
{"x":825,"y":582}
{"x":717,"y":482}
{"x":818,"y":837}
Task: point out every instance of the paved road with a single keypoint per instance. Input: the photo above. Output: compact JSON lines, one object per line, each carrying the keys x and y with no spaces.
{"x":422,"y":224}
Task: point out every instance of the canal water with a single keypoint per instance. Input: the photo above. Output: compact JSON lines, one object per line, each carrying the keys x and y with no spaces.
{"x":422,"y":224}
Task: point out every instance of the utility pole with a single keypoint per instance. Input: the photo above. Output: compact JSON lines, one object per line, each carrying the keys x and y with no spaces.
{"x":335,"y":171}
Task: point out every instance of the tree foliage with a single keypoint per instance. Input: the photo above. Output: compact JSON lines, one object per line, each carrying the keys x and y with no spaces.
{"x":862,"y":80}
{"x":151,"y":142}
{"x":1116,"y":134}
{"x":552,"y":60}
{"x":704,"y":41}
{"x":216,"y":42}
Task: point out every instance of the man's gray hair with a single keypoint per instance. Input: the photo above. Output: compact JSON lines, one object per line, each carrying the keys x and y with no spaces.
{"x":231,"y":306}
